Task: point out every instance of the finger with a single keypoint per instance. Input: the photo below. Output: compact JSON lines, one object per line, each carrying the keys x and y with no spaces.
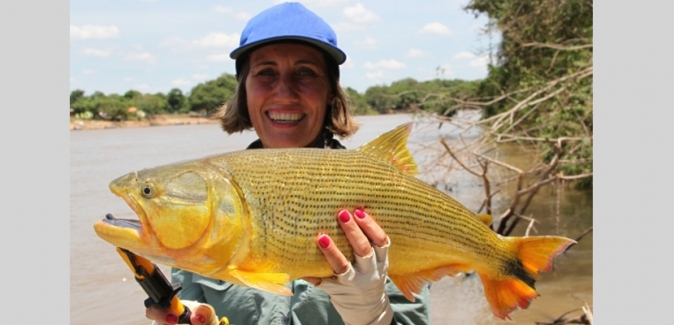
{"x":358,"y":240}
{"x":370,"y":228}
{"x":333,"y":255}
{"x":203,"y":315}
{"x":160,"y":315}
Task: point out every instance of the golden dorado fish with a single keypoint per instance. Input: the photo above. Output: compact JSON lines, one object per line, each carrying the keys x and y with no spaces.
{"x":252,"y":218}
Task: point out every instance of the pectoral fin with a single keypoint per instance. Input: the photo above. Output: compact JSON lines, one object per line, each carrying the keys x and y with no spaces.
{"x":271,"y":282}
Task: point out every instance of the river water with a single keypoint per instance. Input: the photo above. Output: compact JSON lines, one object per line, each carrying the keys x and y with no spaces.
{"x":102,"y":288}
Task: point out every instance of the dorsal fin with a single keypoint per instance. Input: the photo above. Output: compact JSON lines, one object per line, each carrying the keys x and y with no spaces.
{"x":392,"y":147}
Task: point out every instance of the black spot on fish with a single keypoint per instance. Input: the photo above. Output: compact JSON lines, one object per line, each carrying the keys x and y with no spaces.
{"x":515,"y":268}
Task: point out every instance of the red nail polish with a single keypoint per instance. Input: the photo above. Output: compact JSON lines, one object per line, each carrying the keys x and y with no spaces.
{"x":359,"y":213}
{"x":171,"y":319}
{"x":344,"y":216}
{"x":324,"y":241}
{"x":201,"y":318}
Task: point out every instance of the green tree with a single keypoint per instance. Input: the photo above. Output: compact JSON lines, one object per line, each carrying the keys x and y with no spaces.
{"x":358,"y":102}
{"x":543,"y":75}
{"x":176,"y":100}
{"x":131,"y":94}
{"x":76,"y":95}
{"x":207,"y":97}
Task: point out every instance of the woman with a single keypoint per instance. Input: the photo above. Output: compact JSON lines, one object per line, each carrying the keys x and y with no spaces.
{"x":288,"y":71}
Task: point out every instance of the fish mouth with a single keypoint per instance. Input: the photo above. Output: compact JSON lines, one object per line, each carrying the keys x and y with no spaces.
{"x":122,"y":223}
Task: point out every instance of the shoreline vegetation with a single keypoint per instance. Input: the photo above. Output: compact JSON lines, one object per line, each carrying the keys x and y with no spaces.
{"x":155,"y":120}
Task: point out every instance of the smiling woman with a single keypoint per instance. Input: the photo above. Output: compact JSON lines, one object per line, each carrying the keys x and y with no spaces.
{"x":288,"y":91}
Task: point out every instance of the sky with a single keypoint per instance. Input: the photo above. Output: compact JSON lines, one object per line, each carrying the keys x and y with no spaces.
{"x":156,"y":45}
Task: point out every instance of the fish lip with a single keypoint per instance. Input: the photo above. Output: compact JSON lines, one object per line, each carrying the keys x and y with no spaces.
{"x":122,"y":223}
{"x":122,"y":192}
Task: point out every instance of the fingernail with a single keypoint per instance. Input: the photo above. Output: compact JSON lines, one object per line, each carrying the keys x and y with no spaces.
{"x":201,"y":318}
{"x":344,"y":216}
{"x":359,"y":213}
{"x":171,"y":319}
{"x":324,"y":241}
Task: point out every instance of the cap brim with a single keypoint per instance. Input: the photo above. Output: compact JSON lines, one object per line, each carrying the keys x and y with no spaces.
{"x":334,"y":52}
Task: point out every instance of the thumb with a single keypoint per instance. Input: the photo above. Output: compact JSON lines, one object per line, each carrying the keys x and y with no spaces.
{"x":202,"y":314}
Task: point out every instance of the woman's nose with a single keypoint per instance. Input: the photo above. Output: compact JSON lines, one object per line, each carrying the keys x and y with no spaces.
{"x":285,"y":87}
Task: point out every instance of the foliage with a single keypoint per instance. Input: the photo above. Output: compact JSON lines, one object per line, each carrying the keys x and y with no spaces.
{"x":542,"y":81}
{"x":207,"y":97}
{"x":358,"y":103}
{"x":437,"y":96}
{"x":177,"y":102}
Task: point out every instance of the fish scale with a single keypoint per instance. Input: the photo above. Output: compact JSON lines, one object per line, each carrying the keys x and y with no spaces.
{"x":253,"y":218}
{"x":303,"y":196}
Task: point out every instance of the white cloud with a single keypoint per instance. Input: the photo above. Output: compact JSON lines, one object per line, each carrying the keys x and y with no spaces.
{"x":436,"y":28}
{"x":96,"y":53}
{"x":212,"y":41}
{"x":464,"y":55}
{"x":144,"y":57}
{"x":242,"y":15}
{"x":93,"y":32}
{"x":359,"y":14}
{"x":374,"y":75}
{"x":314,"y":3}
{"x":346,"y":27}
{"x":218,"y":40}
{"x":479,"y":61}
{"x":200,"y":76}
{"x":181,"y":82}
{"x":89,"y":71}
{"x":385,"y":64}
{"x":218,"y":58}
{"x":223,"y":10}
{"x":142,"y":87}
{"x":368,"y":43}
{"x":415,"y":53}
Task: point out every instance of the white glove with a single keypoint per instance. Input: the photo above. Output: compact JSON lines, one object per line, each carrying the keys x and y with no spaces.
{"x":359,"y":294}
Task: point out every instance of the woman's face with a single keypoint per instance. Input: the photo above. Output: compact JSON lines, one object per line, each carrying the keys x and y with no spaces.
{"x":287,"y":91}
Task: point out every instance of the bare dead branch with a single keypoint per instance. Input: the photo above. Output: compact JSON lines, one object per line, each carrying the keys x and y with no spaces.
{"x":557,"y":46}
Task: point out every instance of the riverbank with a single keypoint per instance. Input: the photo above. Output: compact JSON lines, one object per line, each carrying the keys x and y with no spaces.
{"x":157,"y":120}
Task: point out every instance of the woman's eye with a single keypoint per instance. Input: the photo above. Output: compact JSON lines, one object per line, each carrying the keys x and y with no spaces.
{"x":266,"y":72}
{"x":306,"y":72}
{"x":147,"y":191}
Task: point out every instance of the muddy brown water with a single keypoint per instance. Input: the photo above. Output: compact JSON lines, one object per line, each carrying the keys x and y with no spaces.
{"x":102,"y":288}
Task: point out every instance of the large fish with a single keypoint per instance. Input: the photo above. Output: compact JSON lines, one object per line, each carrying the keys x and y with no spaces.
{"x":252,"y":218}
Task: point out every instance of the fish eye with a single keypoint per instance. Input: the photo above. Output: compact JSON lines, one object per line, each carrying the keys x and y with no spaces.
{"x":147,"y":191}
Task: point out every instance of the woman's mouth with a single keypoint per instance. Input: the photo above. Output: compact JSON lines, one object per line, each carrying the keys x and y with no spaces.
{"x":285,"y":117}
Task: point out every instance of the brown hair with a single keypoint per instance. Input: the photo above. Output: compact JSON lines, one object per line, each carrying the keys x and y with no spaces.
{"x":234,"y":115}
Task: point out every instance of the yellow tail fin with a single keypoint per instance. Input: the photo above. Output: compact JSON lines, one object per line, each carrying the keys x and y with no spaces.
{"x":515,"y":286}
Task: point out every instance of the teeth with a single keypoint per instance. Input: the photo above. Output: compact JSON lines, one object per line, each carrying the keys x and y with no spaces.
{"x":285,"y":117}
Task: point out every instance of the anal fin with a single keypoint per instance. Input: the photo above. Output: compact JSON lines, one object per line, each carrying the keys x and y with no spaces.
{"x":412,"y":283}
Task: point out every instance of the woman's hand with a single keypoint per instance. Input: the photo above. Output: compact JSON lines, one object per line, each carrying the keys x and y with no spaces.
{"x":202,"y":314}
{"x":358,"y":290}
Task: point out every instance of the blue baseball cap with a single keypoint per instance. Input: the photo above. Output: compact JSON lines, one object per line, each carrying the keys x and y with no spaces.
{"x":289,"y":21}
